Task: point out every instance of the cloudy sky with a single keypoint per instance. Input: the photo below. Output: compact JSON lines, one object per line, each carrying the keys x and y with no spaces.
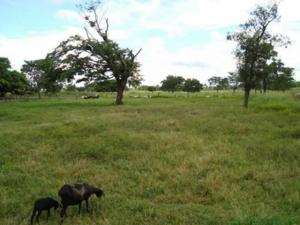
{"x":180,"y":37}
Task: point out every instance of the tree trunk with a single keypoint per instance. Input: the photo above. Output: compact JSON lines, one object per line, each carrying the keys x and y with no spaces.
{"x":246,"y":97}
{"x":264,"y":86}
{"x":120,"y":92}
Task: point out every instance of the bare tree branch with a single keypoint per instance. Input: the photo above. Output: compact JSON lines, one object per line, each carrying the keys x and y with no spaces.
{"x":137,"y":53}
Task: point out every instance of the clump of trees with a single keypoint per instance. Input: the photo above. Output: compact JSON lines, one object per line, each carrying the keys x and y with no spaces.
{"x":11,"y":81}
{"x":255,"y":50}
{"x":178,"y":83}
{"x":218,"y":83}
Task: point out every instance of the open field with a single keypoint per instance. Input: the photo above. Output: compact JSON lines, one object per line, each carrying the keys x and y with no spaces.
{"x":201,"y":159}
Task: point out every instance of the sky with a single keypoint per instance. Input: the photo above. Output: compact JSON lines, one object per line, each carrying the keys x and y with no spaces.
{"x":177,"y":37}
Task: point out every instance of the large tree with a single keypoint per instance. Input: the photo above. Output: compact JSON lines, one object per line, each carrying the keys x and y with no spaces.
{"x":10,"y":80}
{"x":255,"y":46}
{"x":192,"y":85}
{"x":172,"y":83}
{"x":97,"y":57}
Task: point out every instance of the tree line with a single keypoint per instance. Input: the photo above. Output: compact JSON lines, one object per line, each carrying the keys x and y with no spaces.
{"x":103,"y":65}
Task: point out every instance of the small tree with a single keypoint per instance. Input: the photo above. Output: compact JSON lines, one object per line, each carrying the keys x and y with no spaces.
{"x":233,"y":80}
{"x":100,"y":58}
{"x":43,"y":75}
{"x":218,"y":83}
{"x":172,"y":83}
{"x":192,"y":85}
{"x":255,"y":46}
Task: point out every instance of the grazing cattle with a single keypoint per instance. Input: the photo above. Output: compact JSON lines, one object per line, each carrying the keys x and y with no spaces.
{"x":43,"y":204}
{"x":75,"y":195}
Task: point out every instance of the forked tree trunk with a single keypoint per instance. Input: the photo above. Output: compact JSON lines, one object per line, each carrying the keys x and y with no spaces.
{"x":246,"y":96}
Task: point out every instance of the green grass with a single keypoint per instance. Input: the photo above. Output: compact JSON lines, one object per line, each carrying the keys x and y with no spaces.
{"x":169,"y":159}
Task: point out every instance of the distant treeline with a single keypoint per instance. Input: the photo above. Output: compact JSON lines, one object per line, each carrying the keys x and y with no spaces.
{"x":40,"y":76}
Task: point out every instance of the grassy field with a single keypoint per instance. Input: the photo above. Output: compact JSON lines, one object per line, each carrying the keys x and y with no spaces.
{"x":201,"y":159}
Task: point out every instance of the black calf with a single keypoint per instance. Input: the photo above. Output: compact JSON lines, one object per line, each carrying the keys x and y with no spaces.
{"x":43,"y":204}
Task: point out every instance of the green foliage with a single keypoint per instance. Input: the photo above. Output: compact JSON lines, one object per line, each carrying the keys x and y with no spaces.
{"x":218,"y":83}
{"x":172,"y":83}
{"x":255,"y":47}
{"x":192,"y":85}
{"x":98,"y":59}
{"x":103,"y":86}
{"x":11,"y":81}
{"x":43,"y":75}
{"x":234,"y":80}
{"x":4,"y":65}
{"x":282,"y":80}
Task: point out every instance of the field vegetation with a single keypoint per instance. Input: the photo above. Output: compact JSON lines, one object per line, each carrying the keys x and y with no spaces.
{"x":172,"y":158}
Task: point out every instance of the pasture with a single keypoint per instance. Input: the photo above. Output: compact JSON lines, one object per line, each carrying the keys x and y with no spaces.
{"x":170,"y":159}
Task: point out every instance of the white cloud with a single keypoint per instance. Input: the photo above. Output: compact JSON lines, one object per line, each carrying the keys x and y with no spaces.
{"x":201,"y":62}
{"x":69,"y":15}
{"x":32,"y":47}
{"x":129,"y":20}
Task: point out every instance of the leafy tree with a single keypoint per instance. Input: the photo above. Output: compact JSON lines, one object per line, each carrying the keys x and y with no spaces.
{"x":282,"y":80}
{"x":172,"y":83}
{"x":218,"y":83}
{"x":192,"y":85}
{"x":214,"y":82}
{"x":255,"y":46}
{"x":233,"y":80}
{"x":97,"y":59}
{"x":278,"y":76}
{"x":43,"y":75}
{"x":224,"y":83}
{"x":10,"y":80}
{"x":135,"y":81}
{"x":4,"y":65}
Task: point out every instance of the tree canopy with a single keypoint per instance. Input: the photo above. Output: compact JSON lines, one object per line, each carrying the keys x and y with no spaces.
{"x":43,"y":75}
{"x":192,"y":85}
{"x":218,"y":83}
{"x":11,"y":81}
{"x":172,"y":83}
